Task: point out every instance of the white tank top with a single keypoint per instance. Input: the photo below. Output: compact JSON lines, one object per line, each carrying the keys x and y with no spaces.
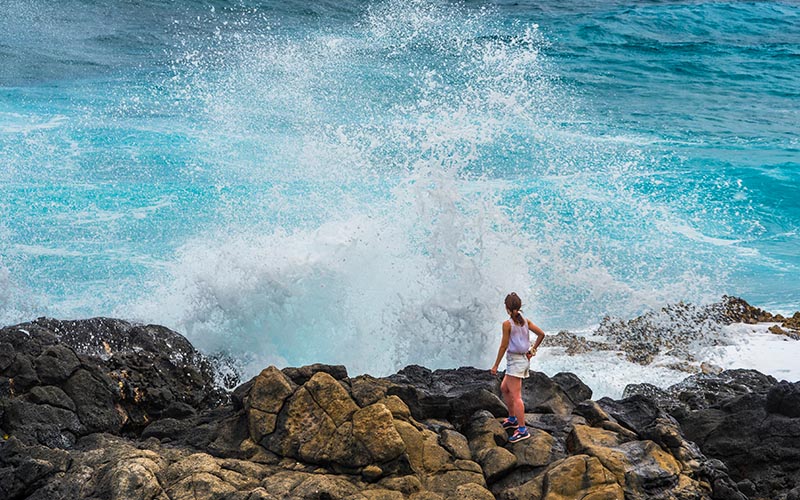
{"x":520,"y":338}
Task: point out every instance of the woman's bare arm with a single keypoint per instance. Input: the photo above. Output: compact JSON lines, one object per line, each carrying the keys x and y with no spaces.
{"x":539,"y":334}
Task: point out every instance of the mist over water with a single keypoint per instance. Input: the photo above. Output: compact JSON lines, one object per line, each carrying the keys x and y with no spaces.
{"x":363,"y":183}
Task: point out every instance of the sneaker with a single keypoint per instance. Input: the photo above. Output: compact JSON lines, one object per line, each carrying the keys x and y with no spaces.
{"x":519,"y":435}
{"x":509,"y":424}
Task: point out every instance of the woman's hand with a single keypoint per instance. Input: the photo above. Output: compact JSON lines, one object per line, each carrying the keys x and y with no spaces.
{"x":494,"y":370}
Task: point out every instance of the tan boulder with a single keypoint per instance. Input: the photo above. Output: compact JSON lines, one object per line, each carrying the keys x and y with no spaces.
{"x":304,"y":422}
{"x":536,"y":451}
{"x":260,"y":423}
{"x":445,"y":483}
{"x":426,"y":455}
{"x":404,"y":484}
{"x":472,"y":491}
{"x":192,"y":464}
{"x":378,"y":495}
{"x":396,"y":405}
{"x":324,"y":486}
{"x":434,"y":457}
{"x":132,"y":480}
{"x":496,"y":462}
{"x":373,"y":427}
{"x":580,"y":476}
{"x":270,"y":389}
{"x":583,"y":437}
{"x":331,"y":397}
{"x":321,"y":424}
{"x":413,"y":440}
{"x":455,"y":443}
{"x":200,"y":485}
{"x":639,"y":466}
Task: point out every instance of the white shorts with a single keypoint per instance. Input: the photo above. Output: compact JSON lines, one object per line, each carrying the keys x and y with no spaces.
{"x":518,"y":365}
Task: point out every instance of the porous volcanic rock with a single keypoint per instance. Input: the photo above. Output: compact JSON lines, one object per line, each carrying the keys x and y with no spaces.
{"x":106,"y":409}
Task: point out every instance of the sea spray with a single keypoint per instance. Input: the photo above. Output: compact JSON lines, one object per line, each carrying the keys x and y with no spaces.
{"x":401,"y":176}
{"x":363,"y":183}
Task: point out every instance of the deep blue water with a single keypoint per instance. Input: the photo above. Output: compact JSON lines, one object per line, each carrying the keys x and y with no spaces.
{"x":363,"y":182}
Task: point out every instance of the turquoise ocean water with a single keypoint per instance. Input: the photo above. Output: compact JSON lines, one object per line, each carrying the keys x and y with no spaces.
{"x":363,"y":182}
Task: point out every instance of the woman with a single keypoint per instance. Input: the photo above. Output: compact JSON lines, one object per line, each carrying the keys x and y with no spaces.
{"x":516,"y":344}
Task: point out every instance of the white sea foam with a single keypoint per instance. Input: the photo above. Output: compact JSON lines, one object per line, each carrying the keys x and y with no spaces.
{"x":733,"y":346}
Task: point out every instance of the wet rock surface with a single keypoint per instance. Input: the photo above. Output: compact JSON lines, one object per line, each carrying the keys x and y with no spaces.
{"x":104,"y":408}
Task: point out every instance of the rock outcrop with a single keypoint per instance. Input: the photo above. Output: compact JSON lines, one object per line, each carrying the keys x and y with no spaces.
{"x":675,"y":328}
{"x":105,"y":409}
{"x":744,"y":419}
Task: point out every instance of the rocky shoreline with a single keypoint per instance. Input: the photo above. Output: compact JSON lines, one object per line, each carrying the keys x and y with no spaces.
{"x":106,"y":409}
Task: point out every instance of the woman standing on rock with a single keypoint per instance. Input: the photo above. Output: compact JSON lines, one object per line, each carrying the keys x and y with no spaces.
{"x":516,"y":344}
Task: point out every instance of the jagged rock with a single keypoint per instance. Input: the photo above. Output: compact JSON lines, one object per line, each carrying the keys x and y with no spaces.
{"x":366,"y":389}
{"x":484,"y":431}
{"x":540,"y":394}
{"x":784,"y":399}
{"x":455,"y":443}
{"x":537,"y":451}
{"x":41,"y":424}
{"x":574,"y":344}
{"x":300,"y":376}
{"x":320,"y":423}
{"x":592,"y":412}
{"x":264,"y":400}
{"x":641,"y":467}
{"x":496,"y":462}
{"x":446,"y":394}
{"x":472,"y":491}
{"x":572,"y":386}
{"x":556,"y":425}
{"x":7,"y":355}
{"x":148,"y":371}
{"x":96,"y":401}
{"x":22,"y":373}
{"x":753,"y":443}
{"x":312,"y":432}
{"x":578,"y":476}
{"x":53,"y":396}
{"x":677,"y":326}
{"x":56,"y":364}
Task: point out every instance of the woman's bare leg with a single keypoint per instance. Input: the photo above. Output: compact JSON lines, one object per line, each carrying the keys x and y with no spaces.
{"x":506,"y":391}
{"x":515,"y":405}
